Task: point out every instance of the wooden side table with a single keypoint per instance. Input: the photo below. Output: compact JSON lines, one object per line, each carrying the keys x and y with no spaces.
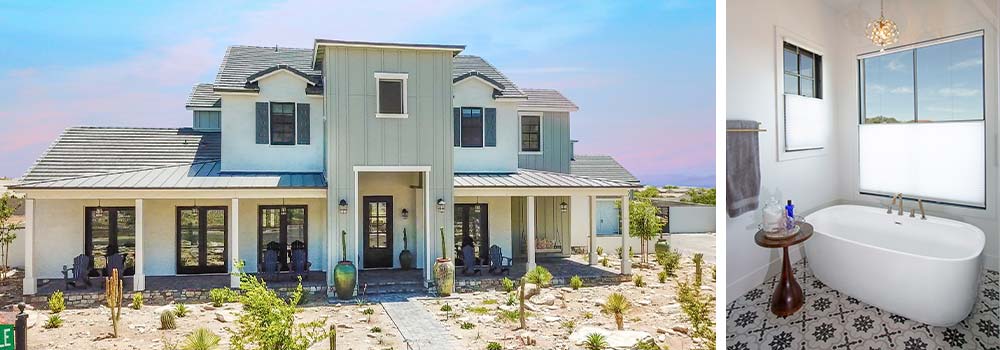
{"x":787,"y":297}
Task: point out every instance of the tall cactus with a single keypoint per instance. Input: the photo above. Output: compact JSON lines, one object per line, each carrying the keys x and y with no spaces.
{"x":333,"y":337}
{"x":113,"y":295}
{"x":444,"y":248}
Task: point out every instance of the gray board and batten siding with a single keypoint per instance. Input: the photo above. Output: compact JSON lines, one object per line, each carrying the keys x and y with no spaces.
{"x":557,"y":150}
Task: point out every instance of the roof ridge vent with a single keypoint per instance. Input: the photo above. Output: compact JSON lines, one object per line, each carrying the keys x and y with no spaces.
{"x":275,"y":47}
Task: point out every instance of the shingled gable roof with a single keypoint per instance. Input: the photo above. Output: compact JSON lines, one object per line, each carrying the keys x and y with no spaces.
{"x":464,"y":64}
{"x":600,"y":166}
{"x":203,"y":96}
{"x":476,"y":74}
{"x":243,"y":62}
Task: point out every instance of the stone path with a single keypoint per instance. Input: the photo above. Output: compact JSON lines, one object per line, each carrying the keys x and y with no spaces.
{"x":420,"y":329}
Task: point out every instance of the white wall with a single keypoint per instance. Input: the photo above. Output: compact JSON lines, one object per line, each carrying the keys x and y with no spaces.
{"x":950,"y":18}
{"x":240,"y":152}
{"x":692,"y":219}
{"x":498,"y":209}
{"x":810,"y":182}
{"x":580,"y":210}
{"x":502,"y":158}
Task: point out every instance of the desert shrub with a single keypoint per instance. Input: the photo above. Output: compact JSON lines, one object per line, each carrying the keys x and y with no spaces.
{"x":511,"y":315}
{"x":494,"y":346}
{"x":201,"y":339}
{"x":670,"y":260}
{"x":137,"y":301}
{"x":489,"y":301}
{"x":539,"y":275}
{"x":181,"y":310}
{"x":595,"y":341}
{"x":478,"y":310}
{"x":511,"y":298}
{"x":588,"y":315}
{"x":618,"y":252}
{"x":56,"y":302}
{"x":268,"y":322}
{"x":617,"y":305}
{"x":661,"y":276}
{"x":54,"y":321}
{"x":375,"y":329}
{"x":508,"y":284}
{"x":569,"y":325}
{"x":446,"y":308}
{"x":168,"y":320}
{"x":638,"y":280}
{"x":467,"y":325}
{"x":700,"y":312}
{"x":647,"y":344}
{"x":368,"y":312}
{"x":604,"y":261}
{"x":575,"y":282}
{"x":220,"y":296}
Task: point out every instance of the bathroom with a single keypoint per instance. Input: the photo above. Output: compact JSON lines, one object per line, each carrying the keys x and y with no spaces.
{"x":822,"y":115}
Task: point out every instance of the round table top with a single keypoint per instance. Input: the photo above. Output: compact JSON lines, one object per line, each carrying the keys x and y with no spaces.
{"x":805,"y":231}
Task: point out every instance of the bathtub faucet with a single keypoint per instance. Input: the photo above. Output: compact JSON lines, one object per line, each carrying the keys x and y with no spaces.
{"x":900,"y":196}
{"x":920,"y":203}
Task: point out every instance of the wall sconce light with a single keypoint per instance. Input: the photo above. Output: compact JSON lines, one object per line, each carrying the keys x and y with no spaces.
{"x":441,"y":206}
{"x":343,"y":207}
{"x":563,"y":207}
{"x":405,"y":214}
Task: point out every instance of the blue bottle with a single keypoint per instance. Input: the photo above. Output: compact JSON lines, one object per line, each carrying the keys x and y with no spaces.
{"x":790,"y":209}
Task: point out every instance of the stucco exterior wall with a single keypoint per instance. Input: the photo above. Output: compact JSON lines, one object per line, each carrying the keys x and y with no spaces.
{"x":240,"y":152}
{"x":502,"y":158}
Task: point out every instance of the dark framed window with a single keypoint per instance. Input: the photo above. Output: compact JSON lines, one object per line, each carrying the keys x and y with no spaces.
{"x":802,"y":70}
{"x":472,"y":227}
{"x":282,"y":228}
{"x":109,"y":231}
{"x":472,"y":127}
{"x":282,"y":123}
{"x":390,"y":96}
{"x":531,"y":133}
{"x":202,"y":239}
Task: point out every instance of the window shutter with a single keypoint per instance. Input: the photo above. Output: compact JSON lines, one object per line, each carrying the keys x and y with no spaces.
{"x":263,"y":133}
{"x":302,"y":126}
{"x":490,"y":122}
{"x":457,"y":126}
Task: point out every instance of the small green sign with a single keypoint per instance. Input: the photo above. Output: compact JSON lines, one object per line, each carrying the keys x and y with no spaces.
{"x":6,"y":337}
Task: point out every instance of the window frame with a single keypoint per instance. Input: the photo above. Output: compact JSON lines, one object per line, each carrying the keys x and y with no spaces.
{"x":270,"y":121}
{"x":986,"y":120}
{"x":282,"y":231}
{"x":404,"y":77}
{"x":782,"y":36}
{"x":520,"y":132}
{"x":482,"y":127}
{"x":180,"y":269}
{"x":88,"y":237}
{"x":198,"y":113}
{"x":817,"y":77}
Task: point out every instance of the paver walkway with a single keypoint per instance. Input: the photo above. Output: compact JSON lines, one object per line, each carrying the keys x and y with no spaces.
{"x":420,"y":329}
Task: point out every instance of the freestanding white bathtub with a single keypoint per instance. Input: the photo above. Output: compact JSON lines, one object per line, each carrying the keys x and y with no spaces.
{"x":925,"y":270}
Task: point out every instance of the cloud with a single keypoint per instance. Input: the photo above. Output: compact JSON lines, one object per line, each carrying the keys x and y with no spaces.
{"x":959,"y":92}
{"x":969,"y":63}
{"x":902,"y":90}
{"x":895,"y":65}
{"x":543,"y":70}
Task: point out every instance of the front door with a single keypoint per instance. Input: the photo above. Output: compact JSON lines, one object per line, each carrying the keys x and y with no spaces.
{"x":378,"y":231}
{"x":201,"y":239}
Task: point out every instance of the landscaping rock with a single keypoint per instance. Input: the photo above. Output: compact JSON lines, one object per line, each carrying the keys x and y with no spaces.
{"x":551,"y":319}
{"x":543,"y":299}
{"x":224,"y":317}
{"x":530,"y":290}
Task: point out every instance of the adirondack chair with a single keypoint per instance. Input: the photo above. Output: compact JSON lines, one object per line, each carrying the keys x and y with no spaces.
{"x":299,"y":266}
{"x":115,"y":261}
{"x":469,"y":261}
{"x":282,"y":254}
{"x":499,"y":264}
{"x":268,"y":269}
{"x":80,"y":270}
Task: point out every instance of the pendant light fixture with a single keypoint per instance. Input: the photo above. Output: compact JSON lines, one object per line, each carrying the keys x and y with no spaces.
{"x":882,"y":31}
{"x":99,"y":212}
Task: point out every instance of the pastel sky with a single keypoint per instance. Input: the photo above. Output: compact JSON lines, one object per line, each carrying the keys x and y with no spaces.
{"x":643,"y":73}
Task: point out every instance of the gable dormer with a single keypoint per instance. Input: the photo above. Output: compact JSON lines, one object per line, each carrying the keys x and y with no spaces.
{"x":271,"y":110}
{"x":484,"y":117}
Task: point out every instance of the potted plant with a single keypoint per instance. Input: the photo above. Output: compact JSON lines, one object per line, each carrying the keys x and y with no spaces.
{"x":444,"y":271}
{"x":405,"y":257}
{"x":345,"y":275}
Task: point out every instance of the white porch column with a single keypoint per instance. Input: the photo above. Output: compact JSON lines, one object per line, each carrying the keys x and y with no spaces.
{"x":592,"y":206}
{"x":531,"y":233}
{"x":30,"y":285}
{"x":139,"y":278}
{"x":626,"y":257}
{"x":234,"y":242}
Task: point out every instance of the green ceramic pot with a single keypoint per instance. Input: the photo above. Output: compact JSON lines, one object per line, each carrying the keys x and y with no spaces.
{"x":345,"y":277}
{"x":444,"y":276}
{"x":662,"y":246}
{"x":405,"y":260}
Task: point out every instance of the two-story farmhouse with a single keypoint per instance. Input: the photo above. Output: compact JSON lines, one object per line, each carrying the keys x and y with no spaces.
{"x":290,"y":147}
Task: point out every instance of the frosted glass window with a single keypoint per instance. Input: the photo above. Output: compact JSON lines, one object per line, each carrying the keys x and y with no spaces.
{"x":805,"y":123}
{"x":944,"y":162}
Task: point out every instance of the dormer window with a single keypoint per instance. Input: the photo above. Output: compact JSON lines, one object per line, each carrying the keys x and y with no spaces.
{"x":472,"y":127}
{"x":282,"y":123}
{"x":390,"y":94}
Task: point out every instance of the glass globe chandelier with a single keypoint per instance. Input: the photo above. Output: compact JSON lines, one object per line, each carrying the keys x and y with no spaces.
{"x":882,"y":31}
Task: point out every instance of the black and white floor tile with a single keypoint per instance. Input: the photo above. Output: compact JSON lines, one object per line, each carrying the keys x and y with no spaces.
{"x":832,"y":320}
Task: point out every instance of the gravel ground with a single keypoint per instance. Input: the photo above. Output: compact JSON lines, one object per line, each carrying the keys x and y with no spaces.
{"x":654,"y":311}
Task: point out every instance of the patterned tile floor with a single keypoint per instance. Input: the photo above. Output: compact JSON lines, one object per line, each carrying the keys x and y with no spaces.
{"x":832,"y":320}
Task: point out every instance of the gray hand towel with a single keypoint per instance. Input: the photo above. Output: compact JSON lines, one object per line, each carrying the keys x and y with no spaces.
{"x":742,"y":168}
